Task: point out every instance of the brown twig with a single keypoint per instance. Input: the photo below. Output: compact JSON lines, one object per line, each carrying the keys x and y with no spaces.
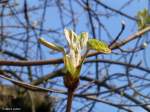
{"x":69,"y":100}
{"x":60,"y":60}
{"x":29,"y":86}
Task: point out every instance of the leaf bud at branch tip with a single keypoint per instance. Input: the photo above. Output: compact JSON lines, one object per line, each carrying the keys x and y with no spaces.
{"x":123,"y":22}
{"x":144,"y":45}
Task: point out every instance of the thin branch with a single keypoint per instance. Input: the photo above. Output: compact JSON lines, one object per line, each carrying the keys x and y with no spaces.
{"x":115,"y":10}
{"x":31,"y":87}
{"x":60,"y":60}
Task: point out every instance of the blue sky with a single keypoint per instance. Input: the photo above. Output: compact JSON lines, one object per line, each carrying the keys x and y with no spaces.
{"x":113,"y":25}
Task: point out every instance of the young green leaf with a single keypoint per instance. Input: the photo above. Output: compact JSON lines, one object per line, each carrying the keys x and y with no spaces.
{"x":73,"y":71}
{"x":51,"y":45}
{"x":70,"y":36}
{"x":77,"y":71}
{"x":83,"y":38}
{"x":99,"y":46}
{"x":143,"y":19}
{"x":69,"y":64}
